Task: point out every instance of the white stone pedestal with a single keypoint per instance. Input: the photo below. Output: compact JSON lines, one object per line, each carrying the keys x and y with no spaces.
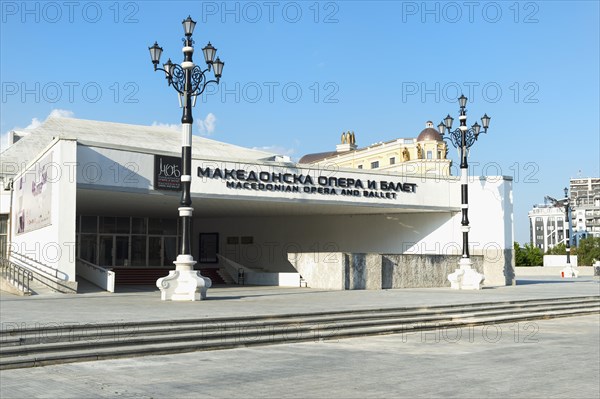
{"x":184,"y":283}
{"x":569,"y":272}
{"x":465,"y":277}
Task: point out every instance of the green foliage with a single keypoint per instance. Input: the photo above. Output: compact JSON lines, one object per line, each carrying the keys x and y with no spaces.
{"x":519,"y":255}
{"x":528,"y":255}
{"x":560,"y":249}
{"x":588,"y":251}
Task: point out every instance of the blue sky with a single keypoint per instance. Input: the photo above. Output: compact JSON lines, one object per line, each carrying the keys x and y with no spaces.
{"x":298,"y":73}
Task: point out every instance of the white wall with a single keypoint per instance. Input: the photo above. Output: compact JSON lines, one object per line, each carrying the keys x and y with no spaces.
{"x":406,"y":233}
{"x":560,"y":260}
{"x":54,"y":245}
{"x":432,"y":193}
{"x":109,"y":167}
{"x":274,"y":237}
{"x":553,"y":271}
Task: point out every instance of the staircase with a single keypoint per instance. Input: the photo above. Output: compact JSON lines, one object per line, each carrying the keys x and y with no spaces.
{"x":214,"y":275}
{"x":148,"y":276}
{"x":138,"y":276}
{"x":30,"y":347}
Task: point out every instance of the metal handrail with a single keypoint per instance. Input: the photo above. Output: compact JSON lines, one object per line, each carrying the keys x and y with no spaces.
{"x":93,"y":266}
{"x":17,"y":275}
{"x":35,"y":264}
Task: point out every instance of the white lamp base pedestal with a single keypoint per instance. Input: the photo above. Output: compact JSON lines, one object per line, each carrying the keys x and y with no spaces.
{"x":184,"y":283}
{"x":569,"y":272}
{"x":465,"y":277}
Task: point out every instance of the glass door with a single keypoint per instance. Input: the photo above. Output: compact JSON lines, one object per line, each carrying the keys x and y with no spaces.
{"x":162,"y":251}
{"x":114,"y":251}
{"x":121,"y":251}
{"x":106,"y":251}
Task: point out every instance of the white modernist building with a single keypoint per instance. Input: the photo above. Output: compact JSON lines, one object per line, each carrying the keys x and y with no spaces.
{"x":547,"y":226}
{"x":585,"y":203}
{"x":98,"y":200}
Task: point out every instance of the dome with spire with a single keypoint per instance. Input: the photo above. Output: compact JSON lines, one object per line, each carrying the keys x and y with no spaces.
{"x":429,"y":133}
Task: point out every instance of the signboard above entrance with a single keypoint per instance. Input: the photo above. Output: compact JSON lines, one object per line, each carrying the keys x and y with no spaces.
{"x":167,"y":173}
{"x":287,"y":182}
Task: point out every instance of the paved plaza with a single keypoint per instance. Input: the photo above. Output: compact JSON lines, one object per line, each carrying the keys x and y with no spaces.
{"x":143,"y":303}
{"x":556,"y":358}
{"x":542,"y":359}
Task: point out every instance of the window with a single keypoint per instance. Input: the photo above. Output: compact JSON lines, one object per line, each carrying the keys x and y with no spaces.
{"x":392,"y":160}
{"x":360,"y":166}
{"x":247,"y":240}
{"x":209,"y":247}
{"x":89,"y":224}
{"x":127,"y":241}
{"x":374,"y":165}
{"x":138,"y":225}
{"x":138,"y":250}
{"x":3,"y":235}
{"x":162,"y":226}
{"x":429,"y":155}
{"x":88,"y":248}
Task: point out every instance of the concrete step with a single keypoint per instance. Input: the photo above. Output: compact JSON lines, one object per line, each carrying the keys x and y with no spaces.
{"x":49,"y":346}
{"x":108,"y":332}
{"x":293,"y":317}
{"x":233,"y":331}
{"x":22,"y":335}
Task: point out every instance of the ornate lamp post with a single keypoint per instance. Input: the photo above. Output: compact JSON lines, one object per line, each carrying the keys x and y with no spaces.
{"x":567,"y":203}
{"x":569,"y":271}
{"x":189,"y":80}
{"x":465,"y":277}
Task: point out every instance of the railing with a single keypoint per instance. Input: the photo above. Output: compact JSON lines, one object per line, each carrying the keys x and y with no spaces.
{"x":16,"y":275}
{"x":246,"y":275}
{"x":103,"y":278}
{"x":52,"y":278}
{"x":39,"y":266}
{"x":236,"y":271}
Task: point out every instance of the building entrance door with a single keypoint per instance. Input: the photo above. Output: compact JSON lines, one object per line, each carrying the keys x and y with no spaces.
{"x":114,"y":250}
{"x":121,"y":251}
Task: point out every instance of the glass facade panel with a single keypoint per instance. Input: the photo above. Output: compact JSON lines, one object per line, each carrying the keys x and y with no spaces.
{"x":3,"y":224}
{"x":138,"y":225}
{"x":89,"y":247}
{"x":3,"y":244}
{"x":89,"y":224}
{"x":126,"y":241}
{"x":122,"y":225}
{"x":162,"y":226}
{"x":3,"y":235}
{"x":106,"y":251}
{"x":154,"y":251}
{"x":108,"y":224}
{"x":170,"y":250}
{"x":122,"y":251}
{"x":138,"y":251}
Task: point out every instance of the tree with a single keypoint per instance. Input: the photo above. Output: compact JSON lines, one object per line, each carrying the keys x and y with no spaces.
{"x":528,"y":255}
{"x":561,"y":249}
{"x":520,"y":259}
{"x":588,"y":251}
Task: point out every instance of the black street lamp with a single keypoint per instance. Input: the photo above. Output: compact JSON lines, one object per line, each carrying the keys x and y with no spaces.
{"x":189,"y":80}
{"x":568,"y":271}
{"x":567,"y":203}
{"x":463,"y":138}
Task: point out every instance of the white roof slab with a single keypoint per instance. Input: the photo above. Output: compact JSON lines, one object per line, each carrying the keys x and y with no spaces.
{"x":138,"y":138}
